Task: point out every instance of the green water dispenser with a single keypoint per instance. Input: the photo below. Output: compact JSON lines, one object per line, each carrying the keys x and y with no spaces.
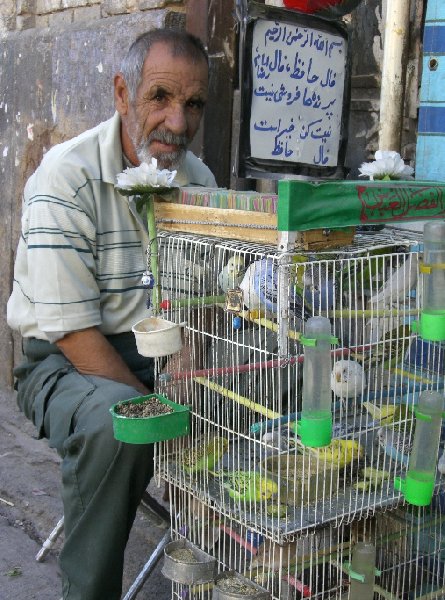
{"x":418,"y":486}
{"x":315,"y":426}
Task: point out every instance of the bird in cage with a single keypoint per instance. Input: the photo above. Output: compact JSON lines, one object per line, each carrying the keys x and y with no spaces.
{"x":276,"y":440}
{"x":397,"y":443}
{"x":338,"y":453}
{"x":384,"y":413}
{"x":231,"y":274}
{"x":441,"y":463}
{"x":248,"y":486}
{"x":277,"y":510}
{"x":319,"y":286}
{"x":260,"y":289}
{"x":399,"y":283}
{"x":205,"y":455}
{"x":372,"y":478}
{"x":348,"y":379}
{"x":394,"y":292}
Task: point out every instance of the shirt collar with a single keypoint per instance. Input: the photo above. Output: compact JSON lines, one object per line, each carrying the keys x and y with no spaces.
{"x":111,"y":156}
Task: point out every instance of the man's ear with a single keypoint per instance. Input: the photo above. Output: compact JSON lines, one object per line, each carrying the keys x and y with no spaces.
{"x":121,"y":97}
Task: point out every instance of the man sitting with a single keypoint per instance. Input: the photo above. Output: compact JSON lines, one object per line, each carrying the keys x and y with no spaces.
{"x":77,"y":292}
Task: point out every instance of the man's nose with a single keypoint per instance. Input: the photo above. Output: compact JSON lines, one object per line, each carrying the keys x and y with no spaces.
{"x":176,"y":119}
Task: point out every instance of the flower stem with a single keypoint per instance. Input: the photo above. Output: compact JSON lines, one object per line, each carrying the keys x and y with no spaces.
{"x":153,"y":249}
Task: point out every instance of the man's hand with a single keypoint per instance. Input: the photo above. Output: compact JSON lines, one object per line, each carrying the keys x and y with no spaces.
{"x":92,"y":354}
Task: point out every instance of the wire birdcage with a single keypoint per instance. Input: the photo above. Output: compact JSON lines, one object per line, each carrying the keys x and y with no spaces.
{"x":243,"y":471}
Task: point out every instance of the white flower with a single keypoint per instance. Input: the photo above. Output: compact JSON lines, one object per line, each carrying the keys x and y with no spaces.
{"x":145,"y":176}
{"x":388,"y":165}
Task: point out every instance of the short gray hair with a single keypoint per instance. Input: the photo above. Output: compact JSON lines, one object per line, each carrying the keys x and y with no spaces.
{"x":181,"y":44}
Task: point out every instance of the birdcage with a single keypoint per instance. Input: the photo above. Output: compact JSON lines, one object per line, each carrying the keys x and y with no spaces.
{"x":308,"y":566}
{"x":245,"y":307}
{"x":301,"y":502}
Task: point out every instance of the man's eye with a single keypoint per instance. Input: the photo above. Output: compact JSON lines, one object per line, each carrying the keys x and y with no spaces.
{"x":196,"y":104}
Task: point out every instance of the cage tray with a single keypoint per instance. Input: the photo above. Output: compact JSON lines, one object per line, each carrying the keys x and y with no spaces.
{"x":343,"y":502}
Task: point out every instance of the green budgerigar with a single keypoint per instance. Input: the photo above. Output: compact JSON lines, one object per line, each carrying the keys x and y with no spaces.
{"x":249,"y":486}
{"x":205,"y":455}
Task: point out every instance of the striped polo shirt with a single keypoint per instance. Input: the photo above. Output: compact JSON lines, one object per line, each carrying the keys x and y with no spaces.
{"x":83,"y":245}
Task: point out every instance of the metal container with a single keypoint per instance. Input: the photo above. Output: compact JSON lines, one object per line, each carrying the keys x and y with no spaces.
{"x":187,"y":564}
{"x":302,"y":478}
{"x":233,"y":586}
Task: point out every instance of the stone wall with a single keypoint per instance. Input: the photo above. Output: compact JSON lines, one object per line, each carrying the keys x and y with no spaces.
{"x":17,"y":15}
{"x":58,"y":62}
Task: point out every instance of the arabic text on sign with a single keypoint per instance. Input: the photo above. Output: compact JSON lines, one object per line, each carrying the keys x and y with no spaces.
{"x":297,"y":96}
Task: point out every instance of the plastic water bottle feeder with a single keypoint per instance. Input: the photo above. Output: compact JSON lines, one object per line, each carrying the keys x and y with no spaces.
{"x":431,"y":326}
{"x":418,"y":486}
{"x":315,"y":426}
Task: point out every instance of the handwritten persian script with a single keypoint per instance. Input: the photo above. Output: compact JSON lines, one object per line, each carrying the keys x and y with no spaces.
{"x":297,"y":94}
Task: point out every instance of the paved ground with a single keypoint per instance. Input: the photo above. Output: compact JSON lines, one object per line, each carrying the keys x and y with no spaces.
{"x":30,"y":506}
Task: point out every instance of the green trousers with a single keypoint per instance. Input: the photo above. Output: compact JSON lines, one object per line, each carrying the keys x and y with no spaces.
{"x":102,"y":479}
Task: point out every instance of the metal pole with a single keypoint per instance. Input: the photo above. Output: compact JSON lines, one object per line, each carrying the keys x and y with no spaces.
{"x":148,"y":567}
{"x":50,"y":541}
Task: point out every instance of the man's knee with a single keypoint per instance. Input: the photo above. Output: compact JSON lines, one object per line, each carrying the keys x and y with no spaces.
{"x":81,"y":403}
{"x":90,"y":451}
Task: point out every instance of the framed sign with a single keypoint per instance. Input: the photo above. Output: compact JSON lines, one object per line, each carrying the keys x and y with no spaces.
{"x":294,"y":89}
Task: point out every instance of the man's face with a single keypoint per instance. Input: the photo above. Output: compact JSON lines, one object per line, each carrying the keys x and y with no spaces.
{"x":166,"y":113}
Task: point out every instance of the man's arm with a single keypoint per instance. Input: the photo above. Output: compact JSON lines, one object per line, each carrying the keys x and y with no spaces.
{"x":92,"y":354}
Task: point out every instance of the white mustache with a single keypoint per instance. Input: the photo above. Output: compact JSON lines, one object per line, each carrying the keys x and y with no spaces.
{"x":167,"y":137}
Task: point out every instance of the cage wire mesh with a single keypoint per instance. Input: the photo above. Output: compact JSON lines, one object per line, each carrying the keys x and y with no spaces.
{"x":408,"y":543}
{"x":243,"y":471}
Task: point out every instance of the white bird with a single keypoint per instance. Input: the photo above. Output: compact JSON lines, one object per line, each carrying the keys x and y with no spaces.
{"x":402,"y":280}
{"x":348,"y":379}
{"x":231,"y":274}
{"x":393,"y":292}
